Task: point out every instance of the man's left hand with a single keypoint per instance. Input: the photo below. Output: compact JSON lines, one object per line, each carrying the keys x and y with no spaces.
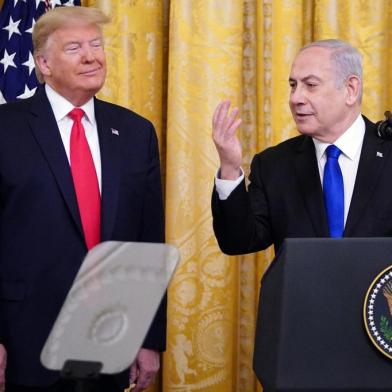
{"x":144,"y":369}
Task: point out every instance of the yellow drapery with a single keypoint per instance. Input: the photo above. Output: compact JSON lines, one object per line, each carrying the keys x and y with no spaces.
{"x":173,"y":61}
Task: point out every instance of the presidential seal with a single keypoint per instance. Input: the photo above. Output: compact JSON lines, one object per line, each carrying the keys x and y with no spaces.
{"x":377,"y":312}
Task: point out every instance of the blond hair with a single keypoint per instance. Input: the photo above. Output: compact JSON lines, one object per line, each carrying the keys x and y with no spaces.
{"x":60,"y":17}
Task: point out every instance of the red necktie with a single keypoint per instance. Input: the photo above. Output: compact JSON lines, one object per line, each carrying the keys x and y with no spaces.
{"x":85,"y":180}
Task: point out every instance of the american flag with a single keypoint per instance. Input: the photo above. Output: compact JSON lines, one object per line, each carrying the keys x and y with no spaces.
{"x":17,"y":18}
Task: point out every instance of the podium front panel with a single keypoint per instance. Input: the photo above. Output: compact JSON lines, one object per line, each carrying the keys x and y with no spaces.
{"x":310,"y":334}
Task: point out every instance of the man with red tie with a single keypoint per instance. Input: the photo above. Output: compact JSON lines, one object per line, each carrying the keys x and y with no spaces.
{"x":74,"y":171}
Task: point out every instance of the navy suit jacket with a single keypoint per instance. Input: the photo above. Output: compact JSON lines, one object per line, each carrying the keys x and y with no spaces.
{"x":285,"y":197}
{"x":41,"y":238}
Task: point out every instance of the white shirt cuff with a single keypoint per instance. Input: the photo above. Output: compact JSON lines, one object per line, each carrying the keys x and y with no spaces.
{"x":225,"y":187}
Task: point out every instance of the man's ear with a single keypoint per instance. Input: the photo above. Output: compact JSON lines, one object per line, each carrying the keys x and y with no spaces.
{"x":42,"y":64}
{"x":353,"y":86}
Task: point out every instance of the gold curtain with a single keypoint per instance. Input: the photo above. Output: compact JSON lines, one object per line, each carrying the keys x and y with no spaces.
{"x":173,"y":61}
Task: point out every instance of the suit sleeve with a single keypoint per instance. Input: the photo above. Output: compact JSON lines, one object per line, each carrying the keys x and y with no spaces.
{"x":241,"y":222}
{"x":152,"y":230}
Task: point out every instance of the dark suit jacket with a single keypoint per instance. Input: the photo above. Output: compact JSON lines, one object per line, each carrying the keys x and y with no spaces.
{"x":285,"y":197}
{"x":41,"y":239}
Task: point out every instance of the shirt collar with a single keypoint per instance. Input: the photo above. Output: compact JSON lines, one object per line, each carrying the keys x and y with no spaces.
{"x":61,"y":106}
{"x":349,"y":142}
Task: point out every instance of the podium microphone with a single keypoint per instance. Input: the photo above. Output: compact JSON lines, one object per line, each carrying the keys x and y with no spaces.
{"x":384,"y":128}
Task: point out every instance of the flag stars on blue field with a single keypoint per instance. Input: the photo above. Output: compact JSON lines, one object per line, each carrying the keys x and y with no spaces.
{"x":27,"y":93}
{"x":17,"y":19}
{"x":16,"y":2}
{"x":30,"y":63}
{"x":12,"y":27}
{"x":8,"y":60}
{"x":37,"y":3}
{"x":56,"y":3}
{"x":30,"y":30}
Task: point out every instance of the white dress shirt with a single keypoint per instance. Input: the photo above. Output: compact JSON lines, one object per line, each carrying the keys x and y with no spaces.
{"x":61,"y":107}
{"x":350,"y":143}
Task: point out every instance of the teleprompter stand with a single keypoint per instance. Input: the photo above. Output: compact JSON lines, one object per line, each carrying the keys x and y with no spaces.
{"x":82,"y":372}
{"x":108,"y":310}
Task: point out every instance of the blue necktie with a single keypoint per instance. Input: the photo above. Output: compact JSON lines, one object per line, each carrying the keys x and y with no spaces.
{"x":334,"y":192}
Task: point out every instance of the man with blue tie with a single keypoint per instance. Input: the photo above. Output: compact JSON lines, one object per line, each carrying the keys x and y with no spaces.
{"x":331,"y":181}
{"x":74,"y":171}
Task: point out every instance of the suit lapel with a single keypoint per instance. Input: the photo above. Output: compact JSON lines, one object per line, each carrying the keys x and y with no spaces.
{"x":308,"y":176}
{"x":374,"y":155}
{"x":109,"y":141}
{"x":45,"y":130}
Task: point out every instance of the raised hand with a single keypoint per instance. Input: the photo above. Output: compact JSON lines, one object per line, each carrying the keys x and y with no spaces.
{"x":224,"y":127}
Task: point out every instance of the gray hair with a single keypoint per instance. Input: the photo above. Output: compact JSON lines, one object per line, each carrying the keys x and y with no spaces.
{"x":346,"y":58}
